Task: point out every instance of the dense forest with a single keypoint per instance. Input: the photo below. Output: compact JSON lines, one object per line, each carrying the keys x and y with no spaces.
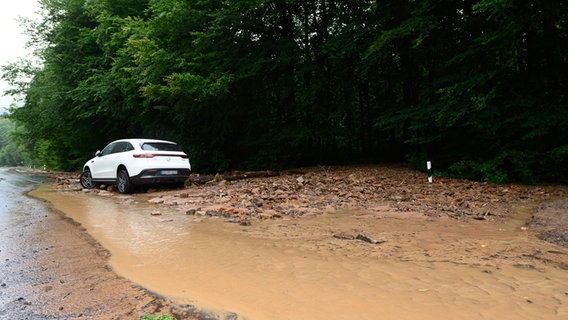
{"x":480,"y":88}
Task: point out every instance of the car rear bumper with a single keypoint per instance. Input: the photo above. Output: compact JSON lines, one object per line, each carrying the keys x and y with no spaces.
{"x":156,"y":176}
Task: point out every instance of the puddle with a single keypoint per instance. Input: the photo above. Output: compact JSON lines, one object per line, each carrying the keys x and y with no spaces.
{"x":296,"y":269}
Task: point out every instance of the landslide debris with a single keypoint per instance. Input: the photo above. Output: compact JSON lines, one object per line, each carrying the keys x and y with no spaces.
{"x":242,"y":197}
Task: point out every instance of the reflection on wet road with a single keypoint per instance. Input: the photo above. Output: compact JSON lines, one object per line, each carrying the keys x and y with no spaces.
{"x":13,"y":185}
{"x":226,"y":267}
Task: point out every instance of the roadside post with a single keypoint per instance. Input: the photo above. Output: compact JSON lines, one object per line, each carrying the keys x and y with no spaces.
{"x":429,"y":168}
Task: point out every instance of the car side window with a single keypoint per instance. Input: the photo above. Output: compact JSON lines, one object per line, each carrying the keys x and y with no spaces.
{"x":122,"y":147}
{"x":108,"y":150}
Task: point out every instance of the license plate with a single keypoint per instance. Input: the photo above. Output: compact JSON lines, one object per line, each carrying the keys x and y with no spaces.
{"x":168,"y":172}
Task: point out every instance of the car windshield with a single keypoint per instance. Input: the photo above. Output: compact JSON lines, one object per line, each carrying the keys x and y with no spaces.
{"x":160,"y":146}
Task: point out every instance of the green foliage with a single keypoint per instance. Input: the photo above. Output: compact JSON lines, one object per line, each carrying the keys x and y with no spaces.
{"x":479,"y":171}
{"x":554,"y":166}
{"x":162,"y":317}
{"x":11,"y":154}
{"x":477,"y":87}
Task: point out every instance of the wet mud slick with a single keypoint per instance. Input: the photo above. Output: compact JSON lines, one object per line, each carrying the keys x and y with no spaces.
{"x":347,"y":264}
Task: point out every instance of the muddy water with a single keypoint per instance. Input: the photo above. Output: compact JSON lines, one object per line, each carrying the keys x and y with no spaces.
{"x":296,"y":269}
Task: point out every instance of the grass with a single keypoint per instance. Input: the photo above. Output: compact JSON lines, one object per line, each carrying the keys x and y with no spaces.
{"x":162,"y":317}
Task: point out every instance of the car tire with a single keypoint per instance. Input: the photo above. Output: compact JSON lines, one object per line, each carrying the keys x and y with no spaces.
{"x":123,"y":183}
{"x":87,"y":180}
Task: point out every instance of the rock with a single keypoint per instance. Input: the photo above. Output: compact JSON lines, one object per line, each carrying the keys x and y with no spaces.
{"x":212,"y":213}
{"x":281,"y":194}
{"x":257,"y":202}
{"x":245,"y":223}
{"x":264,"y":216}
{"x":156,"y":213}
{"x":104,"y":193}
{"x":363,"y":237}
{"x":344,"y":236}
{"x":191,"y":212}
{"x":231,"y":210}
{"x":231,"y":316}
{"x":329,"y":209}
{"x":269,"y":214}
{"x":156,"y":201}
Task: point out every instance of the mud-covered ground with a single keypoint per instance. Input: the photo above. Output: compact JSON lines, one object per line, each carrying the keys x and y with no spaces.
{"x":67,"y":269}
{"x":314,"y":191}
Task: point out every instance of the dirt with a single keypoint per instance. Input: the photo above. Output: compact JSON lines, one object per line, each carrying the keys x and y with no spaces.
{"x":550,"y":222}
{"x":334,"y":211}
{"x":53,"y":269}
{"x":372,"y":190}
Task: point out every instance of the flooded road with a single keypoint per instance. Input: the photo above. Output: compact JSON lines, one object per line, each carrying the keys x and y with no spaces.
{"x":298,"y":269}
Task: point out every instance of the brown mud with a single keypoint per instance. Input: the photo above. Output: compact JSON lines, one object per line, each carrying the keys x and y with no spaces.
{"x":342,"y":243}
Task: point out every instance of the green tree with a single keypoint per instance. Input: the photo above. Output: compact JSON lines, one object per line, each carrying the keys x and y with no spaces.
{"x":476,"y":86}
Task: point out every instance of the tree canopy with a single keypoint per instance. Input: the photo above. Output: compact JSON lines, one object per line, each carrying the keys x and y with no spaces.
{"x":477,"y":87}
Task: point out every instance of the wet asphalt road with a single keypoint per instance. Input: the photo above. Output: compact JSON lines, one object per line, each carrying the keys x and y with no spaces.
{"x":13,"y":186}
{"x":18,"y":213}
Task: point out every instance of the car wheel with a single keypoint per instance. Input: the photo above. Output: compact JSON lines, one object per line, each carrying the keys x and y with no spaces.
{"x":123,"y":183}
{"x":87,"y":180}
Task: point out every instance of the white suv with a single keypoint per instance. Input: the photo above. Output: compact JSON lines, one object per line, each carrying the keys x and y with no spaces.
{"x":131,"y":162}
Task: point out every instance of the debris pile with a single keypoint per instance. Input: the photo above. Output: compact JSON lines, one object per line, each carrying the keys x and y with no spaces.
{"x":372,"y":189}
{"x":241,"y":196}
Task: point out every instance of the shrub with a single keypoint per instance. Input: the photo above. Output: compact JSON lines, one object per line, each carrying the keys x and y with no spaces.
{"x":162,"y":317}
{"x":480,"y":171}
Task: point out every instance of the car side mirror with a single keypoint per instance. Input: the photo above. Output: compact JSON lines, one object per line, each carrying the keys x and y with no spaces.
{"x":98,"y":153}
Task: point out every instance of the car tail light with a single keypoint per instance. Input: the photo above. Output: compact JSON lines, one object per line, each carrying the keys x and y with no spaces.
{"x":151,"y":155}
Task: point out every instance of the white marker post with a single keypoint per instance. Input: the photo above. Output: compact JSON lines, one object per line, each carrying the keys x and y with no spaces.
{"x":429,"y":167}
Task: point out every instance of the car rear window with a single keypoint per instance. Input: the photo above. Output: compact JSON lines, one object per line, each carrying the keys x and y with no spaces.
{"x":160,"y":146}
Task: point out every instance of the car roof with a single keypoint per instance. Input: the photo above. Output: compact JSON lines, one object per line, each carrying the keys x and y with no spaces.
{"x":141,"y":140}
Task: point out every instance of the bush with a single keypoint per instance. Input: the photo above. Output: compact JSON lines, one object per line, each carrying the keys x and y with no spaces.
{"x":487,"y":171}
{"x":554,"y":167}
{"x":162,"y":317}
